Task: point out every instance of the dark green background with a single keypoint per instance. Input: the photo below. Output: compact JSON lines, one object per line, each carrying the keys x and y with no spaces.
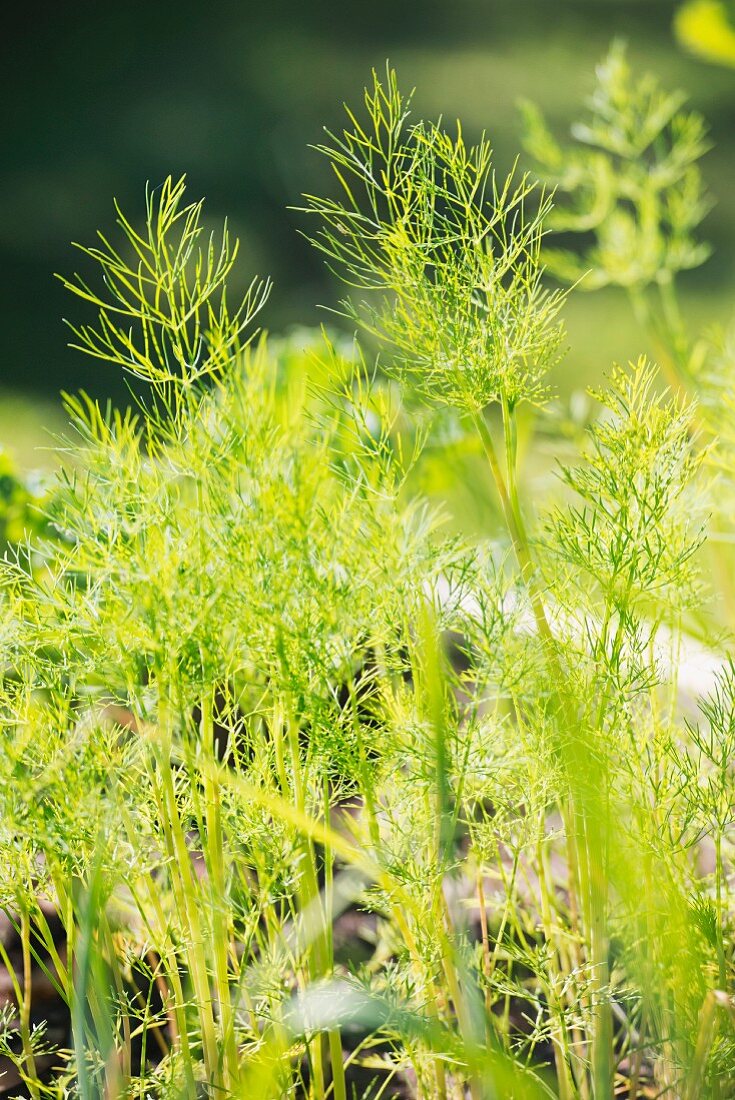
{"x":98,"y":98}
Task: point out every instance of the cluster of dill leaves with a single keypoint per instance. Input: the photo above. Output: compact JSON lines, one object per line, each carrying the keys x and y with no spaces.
{"x":301,"y":793}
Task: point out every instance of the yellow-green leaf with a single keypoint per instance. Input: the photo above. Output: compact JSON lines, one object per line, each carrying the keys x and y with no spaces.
{"x":704,"y":28}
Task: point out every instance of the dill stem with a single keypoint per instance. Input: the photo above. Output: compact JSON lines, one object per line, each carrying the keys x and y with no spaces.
{"x":367,"y":783}
{"x":666,"y":356}
{"x":582,"y":865}
{"x":561,"y":1050}
{"x":449,"y":969}
{"x":124,"y":1060}
{"x":28,"y":1070}
{"x":25,"y":1003}
{"x":485,"y":937}
{"x":185,"y":893}
{"x":214,"y":853}
{"x":516,"y":527}
{"x":176,"y":1013}
{"x":508,"y":494}
{"x":715,"y":1002}
{"x":316,"y":936}
{"x":56,"y":971}
{"x":66,"y":907}
{"x":165,"y":994}
{"x":339,"y":1083}
{"x":721,"y":964}
{"x":278,"y":748}
{"x":509,"y":889}
{"x":674,"y":326}
{"x":602,"y":1036}
{"x":429,"y":677}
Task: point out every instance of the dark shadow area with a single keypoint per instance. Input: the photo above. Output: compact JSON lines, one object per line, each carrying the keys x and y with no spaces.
{"x":100,"y":98}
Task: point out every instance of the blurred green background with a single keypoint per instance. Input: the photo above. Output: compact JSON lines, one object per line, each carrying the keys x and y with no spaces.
{"x":99,"y":98}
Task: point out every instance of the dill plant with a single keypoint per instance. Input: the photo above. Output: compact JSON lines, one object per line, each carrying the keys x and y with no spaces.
{"x":403,"y":236}
{"x":632,"y":181}
{"x":253,"y":693}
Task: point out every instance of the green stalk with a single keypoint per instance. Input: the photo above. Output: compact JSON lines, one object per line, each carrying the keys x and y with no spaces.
{"x":220,"y":924}
{"x":516,"y":527}
{"x":185,"y":891}
{"x":310,"y":900}
{"x":176,"y":1012}
{"x":366,"y":779}
{"x":485,"y":942}
{"x":602,"y":1037}
{"x":467,"y":1026}
{"x":592,"y":890}
{"x":561,"y":1051}
{"x":674,"y":327}
{"x":25,"y":1001}
{"x":715,"y":1003}
{"x":27,"y":1070}
{"x":721,"y":963}
{"x":124,"y":1057}
{"x":91,"y":1016}
{"x":651,"y":324}
{"x":339,"y":1083}
{"x":430,"y":681}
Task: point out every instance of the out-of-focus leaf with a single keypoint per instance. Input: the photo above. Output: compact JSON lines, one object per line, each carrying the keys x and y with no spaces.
{"x":705,"y":27}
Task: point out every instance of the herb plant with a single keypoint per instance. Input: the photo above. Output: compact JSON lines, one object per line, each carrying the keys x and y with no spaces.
{"x":302,"y":794}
